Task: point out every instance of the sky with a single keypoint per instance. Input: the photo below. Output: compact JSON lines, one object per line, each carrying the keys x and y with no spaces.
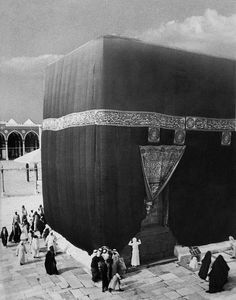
{"x":35,"y":33}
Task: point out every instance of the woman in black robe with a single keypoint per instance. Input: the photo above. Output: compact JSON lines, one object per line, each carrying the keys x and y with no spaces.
{"x":4,"y":236}
{"x":103,"y":271}
{"x":17,"y":233}
{"x":50,"y":262}
{"x":203,"y":272}
{"x":41,"y":225}
{"x":109,"y":262}
{"x":218,"y":275}
{"x":36,"y":222}
{"x":96,"y":276}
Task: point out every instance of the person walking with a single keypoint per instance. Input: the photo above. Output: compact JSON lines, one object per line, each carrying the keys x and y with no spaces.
{"x":20,"y":252}
{"x":218,"y":275}
{"x":115,"y":280}
{"x":50,"y":262}
{"x":46,"y":231}
{"x":206,"y":262}
{"x":16,"y":218}
{"x":31,"y":218}
{"x":102,"y":266}
{"x":51,"y":241}
{"x":96,"y":276}
{"x":16,"y":232}
{"x":36,"y":222}
{"x":24,"y":232}
{"x":23,"y":213}
{"x":41,"y":210}
{"x":35,"y":246}
{"x":4,"y":236}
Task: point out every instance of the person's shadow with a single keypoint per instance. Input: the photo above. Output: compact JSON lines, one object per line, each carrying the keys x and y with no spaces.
{"x":63,"y":270}
{"x":231,"y":283}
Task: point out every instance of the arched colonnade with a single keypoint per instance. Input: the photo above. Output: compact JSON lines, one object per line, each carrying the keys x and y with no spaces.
{"x":15,"y":143}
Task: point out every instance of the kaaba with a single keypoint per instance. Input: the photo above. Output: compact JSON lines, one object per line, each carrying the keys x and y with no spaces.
{"x":139,"y":140}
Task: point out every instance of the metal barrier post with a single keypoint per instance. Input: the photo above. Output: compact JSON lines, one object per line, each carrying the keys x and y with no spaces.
{"x":27,"y":172}
{"x":3,"y":187}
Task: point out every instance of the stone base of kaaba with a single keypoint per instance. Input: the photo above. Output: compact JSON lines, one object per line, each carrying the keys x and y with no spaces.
{"x":183,"y":254}
{"x":157,"y":243}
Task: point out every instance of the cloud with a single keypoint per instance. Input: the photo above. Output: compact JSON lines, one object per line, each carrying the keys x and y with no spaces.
{"x":211,"y":34}
{"x":27,"y":65}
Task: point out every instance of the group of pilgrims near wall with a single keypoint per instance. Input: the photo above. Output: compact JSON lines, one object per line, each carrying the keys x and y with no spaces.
{"x":26,"y":231}
{"x":215,"y":272}
{"x":109,"y":267}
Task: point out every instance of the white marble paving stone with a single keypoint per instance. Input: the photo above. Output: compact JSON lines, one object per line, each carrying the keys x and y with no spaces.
{"x":55,"y":296}
{"x":185,"y":291}
{"x":153,"y":280}
{"x":77,"y":293}
{"x":168,"y":276}
{"x":172,"y":295}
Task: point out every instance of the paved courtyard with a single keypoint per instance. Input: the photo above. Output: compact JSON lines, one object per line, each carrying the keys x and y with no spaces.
{"x":30,"y":281}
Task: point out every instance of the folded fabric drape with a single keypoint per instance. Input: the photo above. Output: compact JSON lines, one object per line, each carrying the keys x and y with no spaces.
{"x":158,"y":164}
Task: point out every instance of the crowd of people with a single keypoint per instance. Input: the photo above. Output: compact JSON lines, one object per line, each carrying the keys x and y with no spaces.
{"x":26,"y":232}
{"x":107,"y":266}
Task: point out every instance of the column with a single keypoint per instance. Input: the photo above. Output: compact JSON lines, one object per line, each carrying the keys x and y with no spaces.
{"x":23,"y":144}
{"x":19,"y":148}
{"x":6,"y":150}
{"x":40,"y":135}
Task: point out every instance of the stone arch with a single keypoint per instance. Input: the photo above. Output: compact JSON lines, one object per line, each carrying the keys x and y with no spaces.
{"x":15,"y":144}
{"x":31,"y":141}
{"x":2,"y":146}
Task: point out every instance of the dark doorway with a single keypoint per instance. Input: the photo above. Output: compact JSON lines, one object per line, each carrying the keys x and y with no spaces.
{"x":2,"y":147}
{"x":31,"y":142}
{"x":15,"y":148}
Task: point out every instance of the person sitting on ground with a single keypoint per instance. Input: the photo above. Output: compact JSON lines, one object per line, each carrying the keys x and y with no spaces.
{"x":205,"y":265}
{"x":193,"y":263}
{"x":20,"y":252}
{"x":233,"y":246}
{"x":218,"y":275}
{"x":50,"y":262}
{"x":195,"y":251}
{"x":4,"y":236}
